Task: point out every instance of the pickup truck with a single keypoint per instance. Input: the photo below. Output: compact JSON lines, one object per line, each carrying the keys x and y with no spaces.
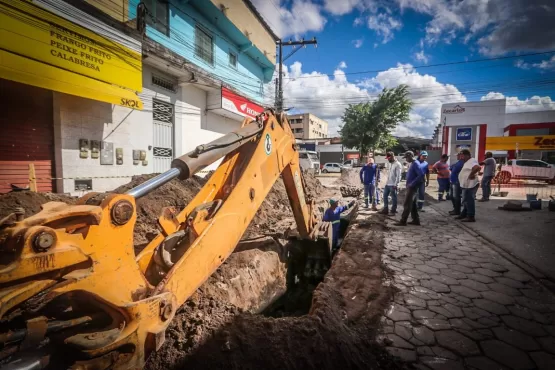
{"x":526,"y":169}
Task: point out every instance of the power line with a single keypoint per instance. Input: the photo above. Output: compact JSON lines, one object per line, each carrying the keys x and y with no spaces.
{"x":433,"y":65}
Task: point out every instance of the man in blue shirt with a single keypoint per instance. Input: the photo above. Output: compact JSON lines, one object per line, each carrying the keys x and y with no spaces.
{"x":333,"y":215}
{"x":415,"y":177}
{"x":456,"y":197}
{"x":370,"y":177}
{"x":422,"y":188}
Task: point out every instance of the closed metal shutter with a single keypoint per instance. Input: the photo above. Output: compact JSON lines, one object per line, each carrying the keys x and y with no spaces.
{"x":26,"y":135}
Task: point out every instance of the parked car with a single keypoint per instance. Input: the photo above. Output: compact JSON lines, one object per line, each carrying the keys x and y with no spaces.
{"x":526,"y":169}
{"x":331,"y":168}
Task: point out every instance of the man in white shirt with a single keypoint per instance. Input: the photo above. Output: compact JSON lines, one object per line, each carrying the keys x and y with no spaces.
{"x":393,"y":180}
{"x":468,"y":180}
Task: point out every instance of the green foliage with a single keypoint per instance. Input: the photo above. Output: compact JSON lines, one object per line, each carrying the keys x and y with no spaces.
{"x":368,"y":126}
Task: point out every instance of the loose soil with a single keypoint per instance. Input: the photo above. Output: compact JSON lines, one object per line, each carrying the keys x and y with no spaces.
{"x":220,"y":325}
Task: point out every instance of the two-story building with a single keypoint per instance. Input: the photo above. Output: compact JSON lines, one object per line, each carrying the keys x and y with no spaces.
{"x":94,"y":92}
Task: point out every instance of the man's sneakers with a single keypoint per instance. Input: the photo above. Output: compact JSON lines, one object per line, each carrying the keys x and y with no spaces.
{"x":460,"y":217}
{"x":405,"y":223}
{"x":483,"y":200}
{"x":392,"y":212}
{"x":400,"y":223}
{"x":374,"y":208}
{"x":384,"y":212}
{"x":454,"y":213}
{"x":468,"y":219}
{"x":414,"y":222}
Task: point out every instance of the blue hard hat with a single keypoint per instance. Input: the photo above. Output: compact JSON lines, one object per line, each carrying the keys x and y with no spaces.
{"x":424,"y":153}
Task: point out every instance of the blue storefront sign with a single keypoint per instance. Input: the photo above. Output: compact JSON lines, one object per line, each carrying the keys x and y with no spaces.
{"x":464,"y":133}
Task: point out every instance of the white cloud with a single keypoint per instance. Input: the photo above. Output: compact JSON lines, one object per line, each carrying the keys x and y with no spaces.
{"x":426,"y":92}
{"x":293,"y":18}
{"x":544,"y":65}
{"x":342,"y":7}
{"x":421,"y":57}
{"x":358,"y":43}
{"x":342,"y":65}
{"x":516,"y":105}
{"x":384,"y":25}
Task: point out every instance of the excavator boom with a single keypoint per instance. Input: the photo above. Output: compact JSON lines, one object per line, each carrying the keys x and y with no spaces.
{"x":74,"y":295}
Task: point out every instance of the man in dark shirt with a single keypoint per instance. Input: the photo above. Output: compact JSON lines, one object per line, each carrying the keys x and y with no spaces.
{"x":415,"y":177}
{"x":456,"y":197}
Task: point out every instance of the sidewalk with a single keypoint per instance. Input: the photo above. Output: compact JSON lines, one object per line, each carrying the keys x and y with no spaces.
{"x":460,"y":304}
{"x":526,"y":235}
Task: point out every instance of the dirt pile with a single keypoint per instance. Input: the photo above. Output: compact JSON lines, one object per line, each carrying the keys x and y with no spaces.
{"x":350,"y":177}
{"x":29,"y":201}
{"x":337,"y":333}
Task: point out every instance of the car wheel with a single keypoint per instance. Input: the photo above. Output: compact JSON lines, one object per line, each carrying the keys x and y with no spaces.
{"x":324,"y":171}
{"x":504,"y":177}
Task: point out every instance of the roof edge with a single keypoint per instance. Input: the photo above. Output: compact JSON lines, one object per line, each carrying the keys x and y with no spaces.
{"x":253,"y":9}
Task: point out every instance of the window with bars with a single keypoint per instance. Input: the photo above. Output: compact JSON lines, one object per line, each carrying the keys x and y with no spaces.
{"x":233,"y":59}
{"x":162,"y":112}
{"x":204,"y":45}
{"x":158,"y":15}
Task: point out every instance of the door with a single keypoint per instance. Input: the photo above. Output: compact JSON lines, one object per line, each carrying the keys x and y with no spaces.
{"x":26,"y":136}
{"x":163,"y":143}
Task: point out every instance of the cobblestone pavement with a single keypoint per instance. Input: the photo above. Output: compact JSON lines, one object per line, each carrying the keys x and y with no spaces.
{"x":460,"y":304}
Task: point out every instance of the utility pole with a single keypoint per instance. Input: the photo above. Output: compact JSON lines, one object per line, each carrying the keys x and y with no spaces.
{"x":302,"y":42}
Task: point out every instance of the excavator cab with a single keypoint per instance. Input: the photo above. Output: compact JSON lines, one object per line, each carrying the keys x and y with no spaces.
{"x":73,"y":294}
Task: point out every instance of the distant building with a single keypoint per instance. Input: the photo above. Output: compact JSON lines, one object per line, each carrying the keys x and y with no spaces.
{"x":308,"y":126}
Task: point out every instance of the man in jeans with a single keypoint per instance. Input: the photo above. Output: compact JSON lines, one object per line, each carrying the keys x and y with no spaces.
{"x":393,"y":180}
{"x":455,"y":186}
{"x":370,"y":177}
{"x":468,"y":179}
{"x":442,"y":169}
{"x":489,"y":172}
{"x":425,"y":168}
{"x":415,"y":176}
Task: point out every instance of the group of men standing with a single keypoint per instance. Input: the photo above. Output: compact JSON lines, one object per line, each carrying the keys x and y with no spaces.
{"x":458,"y":183}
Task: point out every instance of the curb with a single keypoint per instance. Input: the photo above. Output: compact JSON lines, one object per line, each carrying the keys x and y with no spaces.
{"x":539,"y":276}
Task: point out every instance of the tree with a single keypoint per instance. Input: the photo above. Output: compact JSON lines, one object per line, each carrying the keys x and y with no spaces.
{"x":368,"y":126}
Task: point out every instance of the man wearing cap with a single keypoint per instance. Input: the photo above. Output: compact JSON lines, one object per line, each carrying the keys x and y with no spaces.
{"x":370,"y":177}
{"x":392,"y":185}
{"x":422,"y":188}
{"x":468,"y":179}
{"x":442,"y":169}
{"x":415,"y":177}
{"x":333,"y":215}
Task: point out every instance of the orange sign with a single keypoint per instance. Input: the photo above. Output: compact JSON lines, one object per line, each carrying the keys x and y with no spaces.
{"x":540,"y":142}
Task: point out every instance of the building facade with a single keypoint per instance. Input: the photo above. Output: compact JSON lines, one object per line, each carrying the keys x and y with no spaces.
{"x":487,"y":126}
{"x":308,"y":126}
{"x":119,"y":88}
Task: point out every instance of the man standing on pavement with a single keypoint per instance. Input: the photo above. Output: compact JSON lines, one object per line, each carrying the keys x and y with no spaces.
{"x":489,"y":172}
{"x":468,"y":179}
{"x":456,"y":192}
{"x":369,"y":175}
{"x":422,"y":188}
{"x":415,"y":177}
{"x":392,"y":185}
{"x":442,"y":169}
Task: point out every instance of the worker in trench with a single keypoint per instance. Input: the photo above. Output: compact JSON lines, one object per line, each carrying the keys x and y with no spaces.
{"x":333,"y":215}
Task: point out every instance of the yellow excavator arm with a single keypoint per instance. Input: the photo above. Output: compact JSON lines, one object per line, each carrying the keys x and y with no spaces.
{"x":74,"y":295}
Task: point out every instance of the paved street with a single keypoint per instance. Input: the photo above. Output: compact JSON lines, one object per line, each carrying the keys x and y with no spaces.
{"x":526,"y":235}
{"x":460,"y":304}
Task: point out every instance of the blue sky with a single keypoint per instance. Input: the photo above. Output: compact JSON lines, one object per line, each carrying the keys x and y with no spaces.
{"x":365,"y":45}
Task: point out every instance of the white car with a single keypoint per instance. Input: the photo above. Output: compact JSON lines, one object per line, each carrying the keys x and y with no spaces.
{"x":526,"y":169}
{"x":331,"y":167}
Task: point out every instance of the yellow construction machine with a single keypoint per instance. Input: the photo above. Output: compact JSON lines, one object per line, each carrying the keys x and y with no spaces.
{"x":73,"y":294}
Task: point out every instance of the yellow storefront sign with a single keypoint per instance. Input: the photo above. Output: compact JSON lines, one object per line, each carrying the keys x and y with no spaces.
{"x":68,"y":53}
{"x":540,"y":142}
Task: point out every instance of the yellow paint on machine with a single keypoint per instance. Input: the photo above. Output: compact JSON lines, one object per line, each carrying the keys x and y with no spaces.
{"x":539,"y":142}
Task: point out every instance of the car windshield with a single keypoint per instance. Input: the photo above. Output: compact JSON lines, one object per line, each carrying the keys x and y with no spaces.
{"x":313,"y":156}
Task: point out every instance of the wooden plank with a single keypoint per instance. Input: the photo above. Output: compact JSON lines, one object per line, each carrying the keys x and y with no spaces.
{"x":42,"y":171}
{"x":32,"y":178}
{"x":38,"y":162}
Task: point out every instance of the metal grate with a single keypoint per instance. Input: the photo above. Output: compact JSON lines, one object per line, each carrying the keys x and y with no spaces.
{"x":162,"y":112}
{"x":162,"y":152}
{"x":163,"y":83}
